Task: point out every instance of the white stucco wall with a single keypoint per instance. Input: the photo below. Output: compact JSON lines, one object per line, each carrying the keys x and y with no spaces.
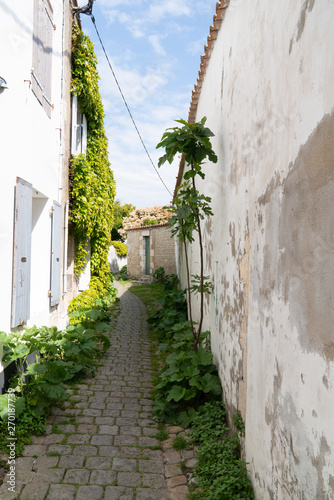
{"x":33,"y":147}
{"x":116,"y":262}
{"x":268,"y":95}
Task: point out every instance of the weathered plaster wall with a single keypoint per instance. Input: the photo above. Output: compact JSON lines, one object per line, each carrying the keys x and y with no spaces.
{"x":268,"y":96}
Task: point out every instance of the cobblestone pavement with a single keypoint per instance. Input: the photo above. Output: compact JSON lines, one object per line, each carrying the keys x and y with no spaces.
{"x":103,"y":445}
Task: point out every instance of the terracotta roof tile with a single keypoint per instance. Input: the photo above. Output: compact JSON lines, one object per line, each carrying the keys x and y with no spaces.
{"x":151,"y":226}
{"x":214,"y":28}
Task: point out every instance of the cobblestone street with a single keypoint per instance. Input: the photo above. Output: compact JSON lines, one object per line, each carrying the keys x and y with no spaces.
{"x":103,"y":445}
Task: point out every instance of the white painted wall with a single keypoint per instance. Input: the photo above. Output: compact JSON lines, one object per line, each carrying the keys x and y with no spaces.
{"x":33,"y":148}
{"x":116,"y":262}
{"x":268,"y":95}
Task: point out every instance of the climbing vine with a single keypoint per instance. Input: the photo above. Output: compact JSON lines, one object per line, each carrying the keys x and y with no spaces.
{"x":92,"y":182}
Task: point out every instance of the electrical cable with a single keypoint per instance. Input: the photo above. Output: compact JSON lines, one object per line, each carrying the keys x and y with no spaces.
{"x":126,"y":105}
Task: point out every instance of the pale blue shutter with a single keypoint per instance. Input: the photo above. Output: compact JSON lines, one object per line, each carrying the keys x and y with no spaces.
{"x":22,"y":253}
{"x":56,"y":236}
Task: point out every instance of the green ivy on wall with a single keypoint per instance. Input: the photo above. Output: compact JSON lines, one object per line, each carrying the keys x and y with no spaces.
{"x":120,"y":248}
{"x":92,"y":182}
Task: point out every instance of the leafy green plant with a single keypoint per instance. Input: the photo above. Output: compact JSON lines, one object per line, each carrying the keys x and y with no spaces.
{"x":173,"y":310}
{"x":27,"y":425}
{"x":120,"y":212}
{"x":92,"y":183}
{"x":188,"y":378}
{"x":179,"y":443}
{"x":189,"y":206}
{"x":96,"y":296}
{"x":149,"y":222}
{"x":60,"y":356}
{"x":123,"y":274}
{"x":121,"y":248}
{"x":159,"y":275}
{"x":239,"y":423}
{"x":162,"y":435}
{"x":220,"y":471}
{"x":171,"y":282}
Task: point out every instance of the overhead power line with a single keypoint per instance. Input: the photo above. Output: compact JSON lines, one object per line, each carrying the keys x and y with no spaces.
{"x":126,"y":104}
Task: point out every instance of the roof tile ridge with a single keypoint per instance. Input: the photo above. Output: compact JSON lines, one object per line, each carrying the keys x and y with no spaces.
{"x":150,"y":226}
{"x":214,"y":29}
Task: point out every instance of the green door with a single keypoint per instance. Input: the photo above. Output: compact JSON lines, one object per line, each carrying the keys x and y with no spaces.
{"x":147,"y":255}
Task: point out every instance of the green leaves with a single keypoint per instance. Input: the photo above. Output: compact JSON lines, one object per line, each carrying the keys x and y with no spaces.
{"x":6,"y":404}
{"x":188,"y":377}
{"x":93,"y":186}
{"x":192,"y":140}
{"x":219,"y":470}
{"x":189,"y":206}
{"x":176,"y":393}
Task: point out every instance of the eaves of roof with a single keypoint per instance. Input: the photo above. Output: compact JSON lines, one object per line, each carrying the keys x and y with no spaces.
{"x":214,"y":28}
{"x":150,"y":226}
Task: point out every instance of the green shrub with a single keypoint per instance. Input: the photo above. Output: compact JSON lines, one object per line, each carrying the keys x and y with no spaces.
{"x":149,"y":222}
{"x":158,"y":275}
{"x":221,"y":473}
{"x":121,"y":248}
{"x":173,"y":310}
{"x":88,"y":299}
{"x":187,"y":380}
{"x":123,"y":274}
{"x":60,"y":357}
{"x":170,"y":281}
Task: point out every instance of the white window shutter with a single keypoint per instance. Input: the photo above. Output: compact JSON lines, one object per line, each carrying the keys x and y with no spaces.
{"x":74,"y":124}
{"x":47,"y":55}
{"x":56,"y":238}
{"x":22,"y":253}
{"x":84,"y":135}
{"x":78,"y":132}
{"x":42,"y":53}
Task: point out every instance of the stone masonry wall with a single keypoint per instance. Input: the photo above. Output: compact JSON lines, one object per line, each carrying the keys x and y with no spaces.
{"x":162,"y":250}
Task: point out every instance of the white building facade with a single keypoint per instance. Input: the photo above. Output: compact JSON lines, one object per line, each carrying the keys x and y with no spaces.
{"x":266,"y":87}
{"x":35,"y":266}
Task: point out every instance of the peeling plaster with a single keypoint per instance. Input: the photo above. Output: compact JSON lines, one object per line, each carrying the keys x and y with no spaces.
{"x":307,"y":7}
{"x":244,"y":277}
{"x":306,"y":237}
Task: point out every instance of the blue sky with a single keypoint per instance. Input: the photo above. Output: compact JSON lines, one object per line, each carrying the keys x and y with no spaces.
{"x":154,"y":47}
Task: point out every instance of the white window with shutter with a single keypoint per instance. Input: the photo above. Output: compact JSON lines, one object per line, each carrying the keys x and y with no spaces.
{"x":42,"y":53}
{"x":79,"y":129}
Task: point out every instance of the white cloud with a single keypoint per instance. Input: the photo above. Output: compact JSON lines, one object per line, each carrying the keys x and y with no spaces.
{"x":156,"y":44}
{"x":196,"y":47}
{"x":115,"y":3}
{"x":174,"y":8}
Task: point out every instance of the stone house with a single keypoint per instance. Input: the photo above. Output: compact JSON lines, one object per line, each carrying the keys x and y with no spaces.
{"x":266,"y":87}
{"x":150,"y":247}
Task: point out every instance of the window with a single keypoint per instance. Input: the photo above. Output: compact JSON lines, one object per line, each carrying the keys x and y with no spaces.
{"x":42,"y":53}
{"x":79,"y":129}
